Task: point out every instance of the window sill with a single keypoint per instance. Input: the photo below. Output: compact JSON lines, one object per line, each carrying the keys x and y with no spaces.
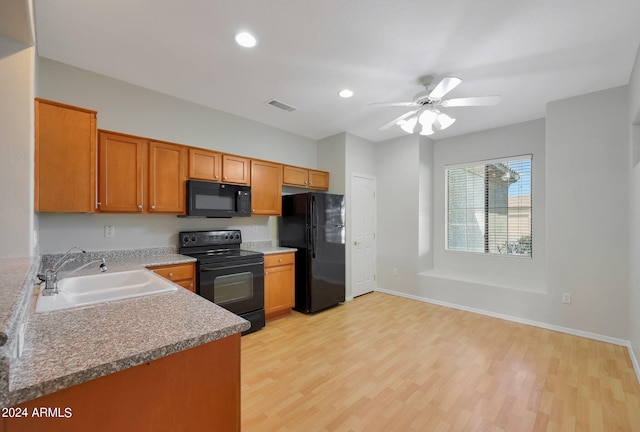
{"x":539,"y":287}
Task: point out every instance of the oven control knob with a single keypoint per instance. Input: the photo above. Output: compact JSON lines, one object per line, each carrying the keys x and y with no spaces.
{"x":185,"y":239}
{"x":193,"y":238}
{"x":237,"y":236}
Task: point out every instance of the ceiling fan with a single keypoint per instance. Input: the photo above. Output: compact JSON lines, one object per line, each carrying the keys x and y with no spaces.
{"x":426,"y":103}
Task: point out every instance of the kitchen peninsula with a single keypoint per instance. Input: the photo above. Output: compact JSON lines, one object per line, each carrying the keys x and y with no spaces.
{"x":160,"y":362}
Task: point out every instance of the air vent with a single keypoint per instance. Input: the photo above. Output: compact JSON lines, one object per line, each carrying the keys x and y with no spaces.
{"x":281,"y":105}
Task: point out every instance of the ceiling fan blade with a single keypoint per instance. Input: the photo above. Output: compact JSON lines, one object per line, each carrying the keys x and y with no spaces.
{"x":404,"y":104}
{"x":472,"y":101}
{"x":445,"y":86}
{"x":396,"y":120}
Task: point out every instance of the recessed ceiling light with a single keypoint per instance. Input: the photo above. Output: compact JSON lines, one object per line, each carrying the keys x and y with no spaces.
{"x":246,"y":39}
{"x":346,"y":93}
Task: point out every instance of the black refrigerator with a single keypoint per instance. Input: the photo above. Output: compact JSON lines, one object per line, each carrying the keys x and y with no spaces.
{"x":314,"y":223}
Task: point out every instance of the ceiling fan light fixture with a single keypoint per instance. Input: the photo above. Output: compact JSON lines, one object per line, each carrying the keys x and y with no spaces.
{"x":444,"y":121}
{"x":428,"y":118}
{"x":427,"y":130}
{"x":425,"y":106}
{"x":408,"y":125}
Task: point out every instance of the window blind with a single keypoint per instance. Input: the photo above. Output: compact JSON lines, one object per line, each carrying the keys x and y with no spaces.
{"x":489,"y":207}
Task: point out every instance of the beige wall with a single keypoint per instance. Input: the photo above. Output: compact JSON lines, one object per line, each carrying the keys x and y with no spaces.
{"x":17,"y":65}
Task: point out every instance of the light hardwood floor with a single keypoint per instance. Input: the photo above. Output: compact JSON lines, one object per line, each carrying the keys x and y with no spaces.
{"x":385,"y":363}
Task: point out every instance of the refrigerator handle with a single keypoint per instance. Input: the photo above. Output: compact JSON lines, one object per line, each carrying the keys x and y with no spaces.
{"x":313,"y":226}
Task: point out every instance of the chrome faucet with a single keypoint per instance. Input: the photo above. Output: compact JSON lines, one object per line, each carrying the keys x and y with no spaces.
{"x":51,"y":274}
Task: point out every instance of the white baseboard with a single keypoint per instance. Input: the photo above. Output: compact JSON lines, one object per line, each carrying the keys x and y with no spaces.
{"x":634,"y":361}
{"x":574,"y":332}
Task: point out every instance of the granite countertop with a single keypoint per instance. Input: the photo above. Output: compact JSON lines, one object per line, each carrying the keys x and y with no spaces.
{"x":266,"y":247}
{"x":68,"y":347}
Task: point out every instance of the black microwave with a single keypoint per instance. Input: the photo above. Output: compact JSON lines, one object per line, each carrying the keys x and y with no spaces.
{"x":217,"y":200}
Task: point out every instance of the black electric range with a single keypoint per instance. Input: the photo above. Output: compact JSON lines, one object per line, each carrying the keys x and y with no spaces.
{"x":227,"y":275}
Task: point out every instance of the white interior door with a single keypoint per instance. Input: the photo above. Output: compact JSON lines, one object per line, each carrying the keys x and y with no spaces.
{"x":363,"y":234}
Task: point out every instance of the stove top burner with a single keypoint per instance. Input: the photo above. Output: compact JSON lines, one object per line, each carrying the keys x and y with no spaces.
{"x":214,"y":246}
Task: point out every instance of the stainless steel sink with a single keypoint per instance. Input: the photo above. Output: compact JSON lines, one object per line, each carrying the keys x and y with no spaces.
{"x":87,"y":290}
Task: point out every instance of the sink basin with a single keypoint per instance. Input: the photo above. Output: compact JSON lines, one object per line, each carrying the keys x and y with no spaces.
{"x":87,"y":290}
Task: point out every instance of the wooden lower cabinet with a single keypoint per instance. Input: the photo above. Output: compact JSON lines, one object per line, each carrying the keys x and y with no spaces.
{"x":181,"y":274}
{"x":279,"y":284}
{"x":193,"y":390}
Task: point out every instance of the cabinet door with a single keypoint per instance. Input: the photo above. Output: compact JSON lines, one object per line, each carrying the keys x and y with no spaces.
{"x":235,"y":169}
{"x":181,"y":274}
{"x":121,"y":162}
{"x":279,"y":284}
{"x":318,"y":179}
{"x":167,"y":176}
{"x":65,"y":163}
{"x":266,"y":188}
{"x":205,"y":165}
{"x":295,"y":176}
{"x":197,"y":389}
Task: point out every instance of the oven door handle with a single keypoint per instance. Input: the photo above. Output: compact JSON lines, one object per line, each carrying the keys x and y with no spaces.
{"x":208,"y":269}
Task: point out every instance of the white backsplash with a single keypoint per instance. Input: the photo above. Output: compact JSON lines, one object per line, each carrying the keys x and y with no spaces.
{"x":58,"y":232}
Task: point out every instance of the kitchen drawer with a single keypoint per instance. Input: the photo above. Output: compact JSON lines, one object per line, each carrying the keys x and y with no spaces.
{"x":175,"y":272}
{"x":273,"y":260}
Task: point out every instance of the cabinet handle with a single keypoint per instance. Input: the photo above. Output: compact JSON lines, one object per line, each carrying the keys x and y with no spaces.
{"x":224,"y":178}
{"x":170,"y":274}
{"x":280,"y":260}
{"x":266,"y":273}
{"x":140,"y":206}
{"x":153,"y":207}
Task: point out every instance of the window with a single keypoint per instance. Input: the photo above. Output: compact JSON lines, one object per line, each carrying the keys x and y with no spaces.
{"x":489,"y":207}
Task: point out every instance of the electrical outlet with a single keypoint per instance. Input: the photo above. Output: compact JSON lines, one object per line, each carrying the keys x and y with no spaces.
{"x":566,"y":298}
{"x":394,"y":271}
{"x":109,"y":231}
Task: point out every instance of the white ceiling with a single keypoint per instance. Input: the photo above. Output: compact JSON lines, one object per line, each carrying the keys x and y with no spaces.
{"x":530,"y":52}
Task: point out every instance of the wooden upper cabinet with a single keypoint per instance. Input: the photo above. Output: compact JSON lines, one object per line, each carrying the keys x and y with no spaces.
{"x":141,"y":176}
{"x":65,"y":158}
{"x":121,"y":172}
{"x":295,"y":176}
{"x":304,"y":177}
{"x":318,"y":179}
{"x":205,"y":165}
{"x":266,"y":188}
{"x":235,"y":169}
{"x":167,"y":176}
